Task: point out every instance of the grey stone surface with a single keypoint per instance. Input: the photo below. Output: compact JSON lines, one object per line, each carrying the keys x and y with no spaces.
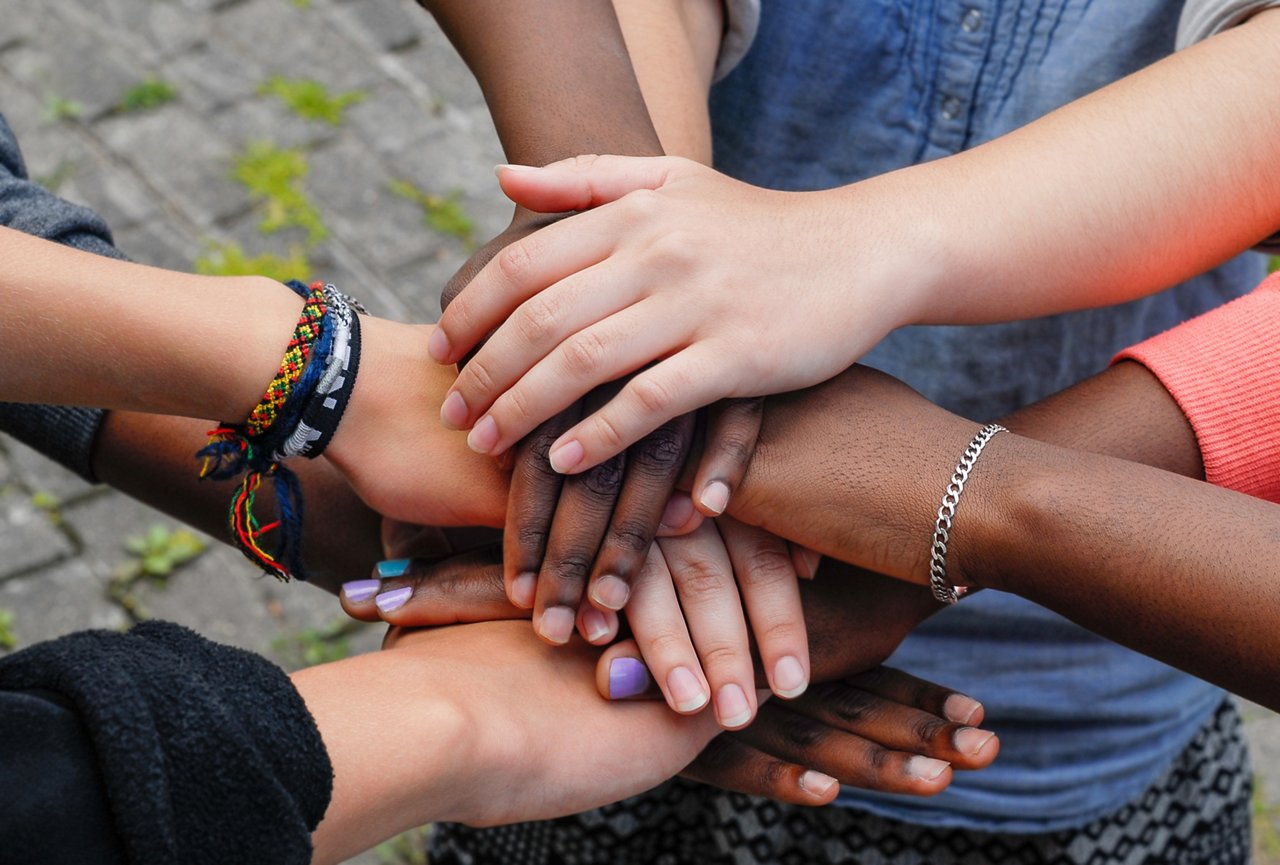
{"x":39,"y":474}
{"x":30,"y":538}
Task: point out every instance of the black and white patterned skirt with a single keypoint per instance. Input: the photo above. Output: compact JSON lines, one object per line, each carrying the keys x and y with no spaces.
{"x":1196,"y":813}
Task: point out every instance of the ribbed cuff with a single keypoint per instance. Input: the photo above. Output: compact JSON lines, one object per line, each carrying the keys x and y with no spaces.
{"x":1223,"y":369}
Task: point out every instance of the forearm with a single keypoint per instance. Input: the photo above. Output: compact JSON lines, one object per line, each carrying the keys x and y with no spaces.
{"x":81,"y":329}
{"x":555,"y":74}
{"x":1115,"y":196}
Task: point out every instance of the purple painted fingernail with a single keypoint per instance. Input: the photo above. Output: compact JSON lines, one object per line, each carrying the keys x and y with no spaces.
{"x":394,"y":599}
{"x":628,"y":677}
{"x":359,"y":591}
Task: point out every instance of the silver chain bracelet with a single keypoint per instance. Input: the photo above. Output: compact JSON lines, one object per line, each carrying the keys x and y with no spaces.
{"x":942,"y":589}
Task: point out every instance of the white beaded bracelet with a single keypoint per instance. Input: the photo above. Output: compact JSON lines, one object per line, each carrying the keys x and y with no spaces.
{"x":942,"y":589}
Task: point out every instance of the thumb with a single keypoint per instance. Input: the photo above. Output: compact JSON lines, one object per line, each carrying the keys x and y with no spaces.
{"x":584,"y":182}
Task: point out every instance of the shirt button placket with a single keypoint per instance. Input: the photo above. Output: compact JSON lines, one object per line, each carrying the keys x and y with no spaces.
{"x":964,"y":50}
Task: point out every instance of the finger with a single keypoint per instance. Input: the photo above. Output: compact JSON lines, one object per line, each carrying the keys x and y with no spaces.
{"x":598,"y":627}
{"x":581,"y":519}
{"x":679,"y":517}
{"x":531,"y":506}
{"x":855,"y":760}
{"x":898,"y":726}
{"x":704,"y":581}
{"x":771,"y":595}
{"x":805,"y":561}
{"x":663,"y":638}
{"x":601,"y":353}
{"x":732,"y":429}
{"x":516,"y":273}
{"x":907,"y":689}
{"x":584,"y":182}
{"x":621,"y":674}
{"x":730,"y":763}
{"x":466,"y":588}
{"x":680,"y":384}
{"x":531,"y":332}
{"x":653,"y":464}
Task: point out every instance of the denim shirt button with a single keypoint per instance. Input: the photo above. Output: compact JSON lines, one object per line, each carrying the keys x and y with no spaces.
{"x":972,"y":21}
{"x":951,"y":108}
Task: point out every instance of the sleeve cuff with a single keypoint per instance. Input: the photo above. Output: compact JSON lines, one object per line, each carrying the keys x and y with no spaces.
{"x":1204,"y":18}
{"x":742,"y":20}
{"x":1223,"y":369}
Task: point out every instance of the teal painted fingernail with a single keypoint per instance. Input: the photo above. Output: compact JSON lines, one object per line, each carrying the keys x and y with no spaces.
{"x":393,"y":568}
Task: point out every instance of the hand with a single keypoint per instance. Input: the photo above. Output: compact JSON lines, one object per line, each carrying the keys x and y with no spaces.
{"x":731,"y":289}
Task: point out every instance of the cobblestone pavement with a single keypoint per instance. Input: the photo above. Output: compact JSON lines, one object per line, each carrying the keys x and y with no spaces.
{"x":144,"y":110}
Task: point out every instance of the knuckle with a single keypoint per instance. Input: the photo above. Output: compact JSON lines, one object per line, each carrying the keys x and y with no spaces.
{"x":514,"y":404}
{"x":665,"y":643}
{"x":605,"y":479}
{"x":584,"y":353}
{"x":632,"y":536}
{"x":851,"y":706}
{"x":642,"y":203}
{"x":652,"y":394}
{"x":801,"y":732}
{"x":532,"y":537}
{"x":765,"y":564}
{"x":663,"y":450}
{"x":735,"y":448}
{"x":538,"y":320}
{"x":928,"y":729}
{"x":608,"y":432}
{"x":516,"y":260}
{"x":781,"y":632}
{"x":700,"y":579}
{"x":720,"y":654}
{"x":479,"y":375}
{"x":772,"y":774}
{"x":571,"y":569}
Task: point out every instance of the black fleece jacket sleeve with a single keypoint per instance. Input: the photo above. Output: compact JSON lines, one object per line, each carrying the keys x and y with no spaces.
{"x":155,"y":746}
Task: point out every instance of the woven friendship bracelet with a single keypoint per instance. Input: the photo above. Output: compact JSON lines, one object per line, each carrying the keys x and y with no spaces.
{"x":296,"y":354}
{"x":297,"y":416}
{"x":942,"y":589}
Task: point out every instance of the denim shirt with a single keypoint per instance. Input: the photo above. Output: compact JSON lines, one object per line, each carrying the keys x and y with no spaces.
{"x":833,"y":92}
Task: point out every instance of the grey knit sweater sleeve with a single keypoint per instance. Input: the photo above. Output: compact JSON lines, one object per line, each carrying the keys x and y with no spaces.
{"x":65,"y":434}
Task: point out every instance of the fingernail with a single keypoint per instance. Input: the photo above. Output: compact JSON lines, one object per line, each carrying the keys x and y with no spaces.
{"x":611,"y":592}
{"x":393,"y":568}
{"x":503,"y":166}
{"x":556,"y":625}
{"x":453,"y":411}
{"x":566,"y":456}
{"x":960,"y":709}
{"x":677,"y":512}
{"x":817,"y":783}
{"x":594,"y":624}
{"x":732,"y":708}
{"x":438,"y":346}
{"x":789,"y":679}
{"x":628,"y":677}
{"x":686,"y":690}
{"x":523,"y":588}
{"x":811,"y":562}
{"x":484,"y":436}
{"x":394,"y":599}
{"x":971,"y":740}
{"x":359,"y":591}
{"x":926,"y":768}
{"x":715,"y":497}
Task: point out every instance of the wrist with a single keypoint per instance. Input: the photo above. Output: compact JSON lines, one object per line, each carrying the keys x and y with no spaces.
{"x":252,"y":346}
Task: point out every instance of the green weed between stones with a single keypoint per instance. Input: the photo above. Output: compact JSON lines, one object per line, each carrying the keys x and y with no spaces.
{"x":57,"y":108}
{"x":319,"y":645}
{"x":151,"y":92}
{"x":154,"y":557}
{"x":273,"y":176}
{"x":7,"y":639}
{"x":228,"y":259}
{"x":310,"y":100}
{"x":1275,"y":264}
{"x":442,"y":213}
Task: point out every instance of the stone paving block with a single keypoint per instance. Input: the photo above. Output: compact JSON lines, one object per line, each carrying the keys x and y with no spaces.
{"x":39,"y":474}
{"x":176,"y":150}
{"x":165,"y":27}
{"x":58,"y":600}
{"x":109,"y":189}
{"x":326,"y":54}
{"x":215,"y":75}
{"x":352,"y":187}
{"x":160,"y":244}
{"x":389,"y":25}
{"x":77,"y":65}
{"x":394,"y":123}
{"x":28,"y":538}
{"x":264,"y":118}
{"x":435,"y":62}
{"x":6,"y":470}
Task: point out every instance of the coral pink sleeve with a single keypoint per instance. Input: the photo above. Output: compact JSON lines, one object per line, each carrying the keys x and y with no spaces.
{"x":1223,"y":368}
